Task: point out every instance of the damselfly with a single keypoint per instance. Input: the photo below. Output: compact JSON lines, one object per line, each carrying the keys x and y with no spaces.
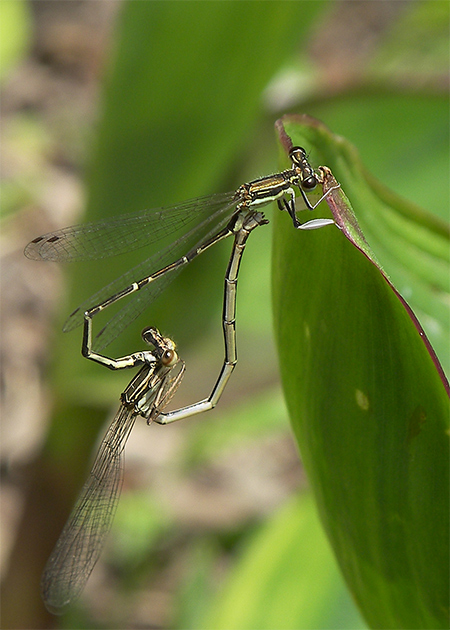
{"x":218,"y":216}
{"x":83,"y":537}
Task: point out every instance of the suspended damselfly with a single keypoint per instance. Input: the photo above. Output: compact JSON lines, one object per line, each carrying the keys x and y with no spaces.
{"x":83,"y":537}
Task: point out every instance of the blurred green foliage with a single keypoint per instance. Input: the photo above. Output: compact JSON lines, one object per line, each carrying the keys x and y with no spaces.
{"x":15,"y":29}
{"x":292,"y":543}
{"x":184,"y":113}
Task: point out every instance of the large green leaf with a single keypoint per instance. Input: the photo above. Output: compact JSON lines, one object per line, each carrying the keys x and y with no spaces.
{"x":367,"y":403}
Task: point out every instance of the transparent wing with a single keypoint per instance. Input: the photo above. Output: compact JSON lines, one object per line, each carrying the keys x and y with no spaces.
{"x":134,"y":306}
{"x":167,"y":391}
{"x":83,"y":537}
{"x":100,"y":239}
{"x":140,"y":300}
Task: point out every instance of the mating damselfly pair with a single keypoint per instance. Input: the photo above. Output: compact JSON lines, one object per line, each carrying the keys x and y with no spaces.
{"x":218,"y":216}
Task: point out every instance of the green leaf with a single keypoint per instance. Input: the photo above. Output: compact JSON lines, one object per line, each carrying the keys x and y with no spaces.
{"x":285,"y":578}
{"x":367,"y":404}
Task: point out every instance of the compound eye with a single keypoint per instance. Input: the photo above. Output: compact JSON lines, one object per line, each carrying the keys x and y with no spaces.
{"x":168,"y":357}
{"x":309,"y":182}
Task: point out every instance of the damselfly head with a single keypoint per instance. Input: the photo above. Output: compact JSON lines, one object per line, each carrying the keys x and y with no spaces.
{"x":307,"y":176}
{"x":164,"y":347}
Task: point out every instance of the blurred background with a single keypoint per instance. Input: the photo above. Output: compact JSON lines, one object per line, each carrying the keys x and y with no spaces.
{"x":113,"y":107}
